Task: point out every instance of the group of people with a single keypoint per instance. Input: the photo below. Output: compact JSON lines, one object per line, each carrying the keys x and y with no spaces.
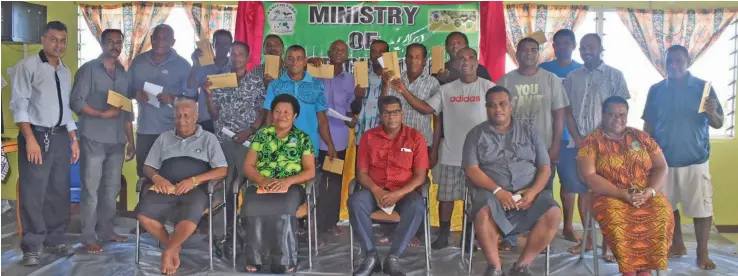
{"x":503,"y":143}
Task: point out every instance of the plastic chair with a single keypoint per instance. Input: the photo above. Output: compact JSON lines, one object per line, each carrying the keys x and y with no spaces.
{"x":307,"y":209}
{"x":381,"y":216}
{"x":467,"y":214}
{"x":213,"y":186}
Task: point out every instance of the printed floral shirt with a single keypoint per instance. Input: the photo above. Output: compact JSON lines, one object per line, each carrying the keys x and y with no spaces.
{"x":239,"y":106}
{"x":280,"y":158}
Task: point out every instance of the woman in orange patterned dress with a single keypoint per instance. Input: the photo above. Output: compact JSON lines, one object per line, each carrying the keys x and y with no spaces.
{"x":626,"y":170}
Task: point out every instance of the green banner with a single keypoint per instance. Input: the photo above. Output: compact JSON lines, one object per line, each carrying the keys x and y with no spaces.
{"x":316,"y":26}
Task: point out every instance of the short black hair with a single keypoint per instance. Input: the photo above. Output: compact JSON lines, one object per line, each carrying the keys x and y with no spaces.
{"x":55,"y":25}
{"x":614,"y":100}
{"x":448,"y":37}
{"x":286,"y":98}
{"x":496,"y":89}
{"x":595,"y":35}
{"x":386,"y":45}
{"x":567,"y":33}
{"x":274,"y":36}
{"x":296,"y":48}
{"x":162,"y":27}
{"x":222,"y":32}
{"x":421,"y":46}
{"x":107,"y":32}
{"x":241,"y":43}
{"x":476,"y":55}
{"x":526,"y":39}
{"x":678,"y":48}
{"x":384,"y":101}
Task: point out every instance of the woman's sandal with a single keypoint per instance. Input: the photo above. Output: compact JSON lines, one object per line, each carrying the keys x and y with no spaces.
{"x":252,"y":268}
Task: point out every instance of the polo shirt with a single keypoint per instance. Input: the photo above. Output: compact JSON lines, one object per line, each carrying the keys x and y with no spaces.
{"x":391,"y":161}
{"x":681,"y":132}
{"x":310,"y":93}
{"x":510,"y":159}
{"x":91,"y":85}
{"x":40,"y":93}
{"x":202,"y":145}
{"x":280,"y":158}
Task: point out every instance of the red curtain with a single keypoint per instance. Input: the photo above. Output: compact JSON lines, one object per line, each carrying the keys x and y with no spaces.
{"x":251,"y":20}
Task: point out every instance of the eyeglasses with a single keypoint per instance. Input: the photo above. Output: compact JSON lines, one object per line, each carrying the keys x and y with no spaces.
{"x":392,"y":113}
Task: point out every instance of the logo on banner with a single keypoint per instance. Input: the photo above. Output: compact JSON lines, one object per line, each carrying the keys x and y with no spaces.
{"x":282,"y":18}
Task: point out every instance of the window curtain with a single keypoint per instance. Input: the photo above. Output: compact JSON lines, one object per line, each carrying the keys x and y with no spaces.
{"x":136,"y":20}
{"x":522,"y":20}
{"x":657,"y":30}
{"x":207,"y":18}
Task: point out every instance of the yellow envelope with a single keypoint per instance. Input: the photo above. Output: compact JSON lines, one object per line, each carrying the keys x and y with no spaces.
{"x":392,"y":63}
{"x":118,"y":100}
{"x":207,"y":53}
{"x":226,"y":80}
{"x":438,"y":58}
{"x":171,"y":189}
{"x":539,"y":36}
{"x":705,"y":95}
{"x":361,"y":73}
{"x":335,"y":167}
{"x":325,"y":71}
{"x":271,"y":66}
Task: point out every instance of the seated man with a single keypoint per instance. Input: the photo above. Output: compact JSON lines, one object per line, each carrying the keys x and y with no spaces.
{"x":504,"y":159}
{"x":179,"y":161}
{"x":392,"y":165}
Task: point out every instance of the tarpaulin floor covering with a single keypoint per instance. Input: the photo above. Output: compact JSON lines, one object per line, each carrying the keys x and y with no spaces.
{"x":333,"y":258}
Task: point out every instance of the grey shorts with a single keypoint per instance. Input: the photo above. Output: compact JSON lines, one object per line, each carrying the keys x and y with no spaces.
{"x":515,"y":221}
{"x":189,"y":206}
{"x":451,"y":181}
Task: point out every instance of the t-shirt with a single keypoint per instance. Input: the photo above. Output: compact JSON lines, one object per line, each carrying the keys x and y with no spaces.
{"x":561,"y":72}
{"x":533,"y":99}
{"x":463,"y":108}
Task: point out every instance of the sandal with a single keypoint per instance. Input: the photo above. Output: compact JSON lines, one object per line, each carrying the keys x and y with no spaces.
{"x":522,"y":270}
{"x":252,"y":268}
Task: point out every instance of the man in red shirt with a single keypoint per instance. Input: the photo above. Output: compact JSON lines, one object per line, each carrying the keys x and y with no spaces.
{"x":392,"y":165}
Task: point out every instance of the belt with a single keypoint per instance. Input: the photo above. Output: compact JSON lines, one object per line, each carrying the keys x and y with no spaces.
{"x":52,"y":130}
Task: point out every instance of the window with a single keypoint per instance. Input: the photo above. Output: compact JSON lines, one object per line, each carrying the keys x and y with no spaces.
{"x":89,"y":48}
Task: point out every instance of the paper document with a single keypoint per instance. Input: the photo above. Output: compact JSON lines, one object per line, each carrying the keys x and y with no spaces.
{"x":438,"y":57}
{"x":207,"y":53}
{"x":118,"y":100}
{"x":517,"y":197}
{"x":361,"y":73}
{"x":389,"y":210}
{"x":337,"y":115}
{"x":153,"y":90}
{"x":227,"y":80}
{"x":539,"y":36}
{"x":280,"y":191}
{"x":335,"y":166}
{"x":325,"y":71}
{"x":392,"y":63}
{"x":230,"y":133}
{"x":170,"y":190}
{"x":705,"y":95}
{"x":381,"y":61}
{"x":271,"y":66}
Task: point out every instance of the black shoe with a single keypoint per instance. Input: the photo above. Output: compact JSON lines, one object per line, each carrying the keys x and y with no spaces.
{"x":440,"y":243}
{"x":391,"y":267}
{"x":30,"y":259}
{"x":522,"y":270}
{"x":493,"y":271}
{"x":370,"y":265}
{"x":61,"y":250}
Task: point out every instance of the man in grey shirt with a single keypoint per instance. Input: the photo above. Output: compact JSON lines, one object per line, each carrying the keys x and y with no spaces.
{"x":104,"y":130}
{"x":507,"y":165}
{"x":160,"y":66}
{"x":40,"y":93}
{"x":180,"y":164}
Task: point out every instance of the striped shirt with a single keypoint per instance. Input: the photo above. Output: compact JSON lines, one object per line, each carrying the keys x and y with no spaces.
{"x":588,"y":89}
{"x":259,"y":70}
{"x":423,"y":87}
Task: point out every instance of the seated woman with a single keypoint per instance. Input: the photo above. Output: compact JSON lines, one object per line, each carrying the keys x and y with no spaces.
{"x":279,"y":162}
{"x":625,"y":170}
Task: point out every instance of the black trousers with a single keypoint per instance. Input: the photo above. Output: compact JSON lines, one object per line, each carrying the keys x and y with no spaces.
{"x":329,"y":194}
{"x":144,"y":142}
{"x":44,"y":191}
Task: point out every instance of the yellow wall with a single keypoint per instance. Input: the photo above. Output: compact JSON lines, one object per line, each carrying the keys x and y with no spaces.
{"x":724,"y":172}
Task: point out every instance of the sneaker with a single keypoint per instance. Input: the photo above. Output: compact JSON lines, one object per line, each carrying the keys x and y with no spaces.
{"x":30,"y":259}
{"x":61,"y":250}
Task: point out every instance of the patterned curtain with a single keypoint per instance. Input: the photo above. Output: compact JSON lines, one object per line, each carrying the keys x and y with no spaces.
{"x":657,"y":30}
{"x":207,"y":18}
{"x":135,"y":19}
{"x":524,"y":19}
